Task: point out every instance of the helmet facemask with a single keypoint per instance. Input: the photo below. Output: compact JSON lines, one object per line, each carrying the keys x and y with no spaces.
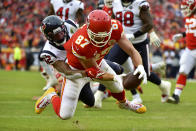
{"x":99,"y":39}
{"x":57,"y":36}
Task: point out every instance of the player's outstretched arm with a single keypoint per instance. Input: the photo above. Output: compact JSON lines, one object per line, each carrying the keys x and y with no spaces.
{"x":127,"y":46}
{"x":146,"y":19}
{"x":93,"y":70}
{"x":64,"y":68}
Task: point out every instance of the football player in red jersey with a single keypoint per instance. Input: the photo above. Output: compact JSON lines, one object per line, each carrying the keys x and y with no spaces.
{"x":85,"y":51}
{"x":188,"y":58}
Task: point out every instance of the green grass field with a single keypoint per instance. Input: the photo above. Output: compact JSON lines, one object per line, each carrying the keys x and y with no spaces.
{"x":17,"y":110}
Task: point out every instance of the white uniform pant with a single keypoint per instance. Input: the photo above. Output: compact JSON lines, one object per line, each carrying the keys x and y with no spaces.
{"x":187,"y":61}
{"x":71,"y":90}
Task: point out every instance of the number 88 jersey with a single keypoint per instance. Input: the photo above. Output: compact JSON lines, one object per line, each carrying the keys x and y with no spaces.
{"x":129,"y":17}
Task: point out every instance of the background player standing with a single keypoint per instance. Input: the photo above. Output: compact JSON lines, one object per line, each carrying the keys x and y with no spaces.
{"x":188,"y":58}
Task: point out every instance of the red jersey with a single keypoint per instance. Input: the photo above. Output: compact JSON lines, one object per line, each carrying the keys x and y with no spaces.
{"x":79,"y":46}
{"x":190,"y":25}
{"x":108,"y":10}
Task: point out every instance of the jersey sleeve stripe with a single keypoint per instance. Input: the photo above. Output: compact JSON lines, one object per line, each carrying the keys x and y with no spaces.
{"x":48,"y":52}
{"x":71,"y":23}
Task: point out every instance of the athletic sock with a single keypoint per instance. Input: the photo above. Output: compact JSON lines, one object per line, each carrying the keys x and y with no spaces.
{"x":154,"y":78}
{"x":119,"y":96}
{"x":56,"y":103}
{"x":181,"y":82}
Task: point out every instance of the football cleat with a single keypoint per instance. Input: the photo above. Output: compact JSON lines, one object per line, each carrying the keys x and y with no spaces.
{"x":175,"y":99}
{"x":136,"y":99}
{"x":138,"y":108}
{"x":44,"y":100}
{"x":99,"y":96}
{"x":165,"y":88}
{"x":160,"y":68}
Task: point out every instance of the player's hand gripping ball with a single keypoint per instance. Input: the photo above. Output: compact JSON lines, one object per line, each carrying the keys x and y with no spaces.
{"x":131,"y":81}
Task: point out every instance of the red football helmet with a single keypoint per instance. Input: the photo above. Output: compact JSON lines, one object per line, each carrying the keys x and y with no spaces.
{"x":187,"y":7}
{"x":99,"y":27}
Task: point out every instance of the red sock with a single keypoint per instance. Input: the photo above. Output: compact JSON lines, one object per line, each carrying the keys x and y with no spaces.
{"x":56,"y":103}
{"x":109,"y":93}
{"x":181,"y":81}
{"x":119,"y":96}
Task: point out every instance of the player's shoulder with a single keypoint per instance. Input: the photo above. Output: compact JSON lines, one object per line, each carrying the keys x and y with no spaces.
{"x":48,"y":53}
{"x":115,"y":23}
{"x":77,"y":2}
{"x":117,"y":29}
{"x":56,"y":2}
{"x":71,"y":23}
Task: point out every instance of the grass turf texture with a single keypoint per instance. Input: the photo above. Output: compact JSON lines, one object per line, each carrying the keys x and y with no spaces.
{"x":17,"y":109}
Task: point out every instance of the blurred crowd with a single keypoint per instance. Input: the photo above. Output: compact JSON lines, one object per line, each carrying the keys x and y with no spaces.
{"x":20,"y":21}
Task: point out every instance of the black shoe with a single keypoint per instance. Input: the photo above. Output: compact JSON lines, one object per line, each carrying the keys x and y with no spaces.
{"x":175,"y":99}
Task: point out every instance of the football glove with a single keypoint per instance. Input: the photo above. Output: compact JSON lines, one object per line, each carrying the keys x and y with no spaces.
{"x":140,"y":70}
{"x":176,"y":37}
{"x":154,"y":39}
{"x":94,"y":72}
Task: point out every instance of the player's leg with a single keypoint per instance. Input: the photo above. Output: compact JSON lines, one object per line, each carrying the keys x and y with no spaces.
{"x":48,"y":69}
{"x":159,"y":67}
{"x":87,"y":96}
{"x":164,"y":86}
{"x":118,"y":92}
{"x":102,"y":93}
{"x":70,"y":95}
{"x":187,"y":63}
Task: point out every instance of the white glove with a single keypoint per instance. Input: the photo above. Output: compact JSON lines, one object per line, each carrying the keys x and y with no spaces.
{"x":176,"y":37}
{"x":154,"y":39}
{"x":140,"y":70}
{"x":130,"y":37}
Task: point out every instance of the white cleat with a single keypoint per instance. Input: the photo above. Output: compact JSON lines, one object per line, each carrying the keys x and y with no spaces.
{"x":137,"y":99}
{"x":165,"y":88}
{"x":139,"y":108}
{"x":99,"y":95}
{"x":160,"y":67}
{"x":44,"y":100}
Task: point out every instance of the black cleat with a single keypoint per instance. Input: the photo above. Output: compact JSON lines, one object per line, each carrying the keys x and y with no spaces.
{"x":175,"y":99}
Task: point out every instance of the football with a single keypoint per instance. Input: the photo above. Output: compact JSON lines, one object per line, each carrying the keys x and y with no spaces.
{"x":131,"y":81}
